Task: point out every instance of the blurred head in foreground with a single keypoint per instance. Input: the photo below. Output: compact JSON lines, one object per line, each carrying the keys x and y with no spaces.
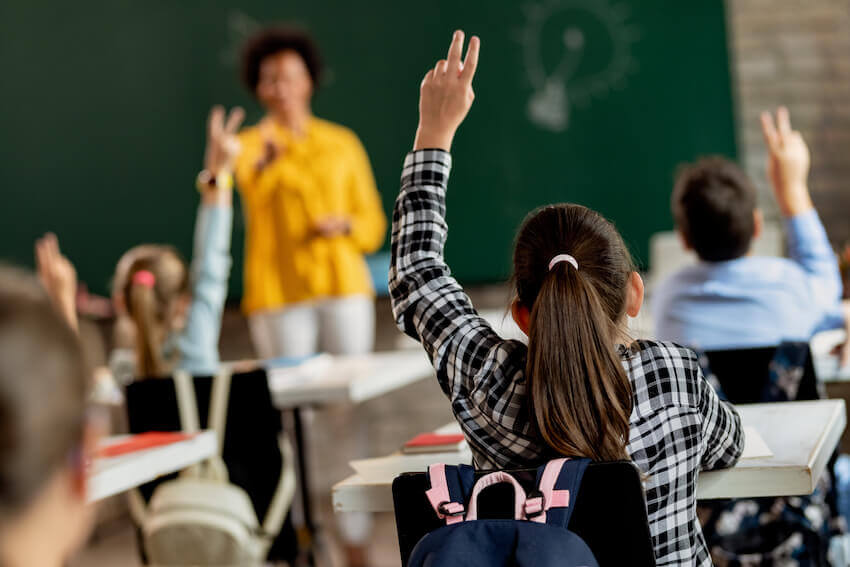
{"x":44,"y":437}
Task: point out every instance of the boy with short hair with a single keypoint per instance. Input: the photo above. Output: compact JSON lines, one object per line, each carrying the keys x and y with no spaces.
{"x":734,"y":300}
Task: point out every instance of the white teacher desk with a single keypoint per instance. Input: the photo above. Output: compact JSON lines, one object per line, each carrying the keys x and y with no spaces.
{"x":801,"y":435}
{"x":353,"y":379}
{"x":339,"y":379}
{"x":113,"y":475}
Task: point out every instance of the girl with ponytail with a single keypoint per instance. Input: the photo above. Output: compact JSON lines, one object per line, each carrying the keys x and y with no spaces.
{"x":580,"y":387}
{"x":168,"y":315}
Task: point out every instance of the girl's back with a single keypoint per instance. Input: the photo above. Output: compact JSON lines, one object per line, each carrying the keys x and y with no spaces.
{"x":572,"y":390}
{"x":677,"y":425}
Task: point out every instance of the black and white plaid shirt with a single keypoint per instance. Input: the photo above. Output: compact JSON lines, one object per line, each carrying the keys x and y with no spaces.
{"x":678,"y":425}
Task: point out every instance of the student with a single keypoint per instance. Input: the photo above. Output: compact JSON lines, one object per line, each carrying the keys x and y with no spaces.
{"x":44,"y":516}
{"x":732,"y":299}
{"x":175,"y":312}
{"x":580,"y":387}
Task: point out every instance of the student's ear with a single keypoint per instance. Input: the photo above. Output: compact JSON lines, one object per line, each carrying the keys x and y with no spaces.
{"x":634,"y":295}
{"x":758,"y":223}
{"x":118,"y":304}
{"x":684,"y":240}
{"x":521,"y":315}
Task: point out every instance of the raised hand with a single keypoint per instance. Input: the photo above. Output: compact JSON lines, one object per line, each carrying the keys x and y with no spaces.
{"x":222,"y":144}
{"x":446,"y":95}
{"x":58,"y":276}
{"x":788,"y":163}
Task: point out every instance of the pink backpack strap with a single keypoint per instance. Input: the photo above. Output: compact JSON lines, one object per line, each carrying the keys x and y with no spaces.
{"x":547,"y":496}
{"x":496,"y":478}
{"x":439,"y":497}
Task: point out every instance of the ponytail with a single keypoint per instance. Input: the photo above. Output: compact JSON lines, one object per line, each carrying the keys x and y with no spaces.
{"x":152,"y":279}
{"x":581,"y":395}
{"x":571,"y":271}
{"x":150,"y":334}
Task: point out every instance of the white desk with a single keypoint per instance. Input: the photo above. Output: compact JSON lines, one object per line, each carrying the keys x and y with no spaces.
{"x":114,"y":475}
{"x":350,"y":378}
{"x":801,"y":435}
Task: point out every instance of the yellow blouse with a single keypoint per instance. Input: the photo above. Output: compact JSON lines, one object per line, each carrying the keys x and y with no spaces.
{"x":322,"y":173}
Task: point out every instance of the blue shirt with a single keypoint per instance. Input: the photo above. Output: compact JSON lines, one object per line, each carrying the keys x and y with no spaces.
{"x":754,"y":301}
{"x":198,"y":341}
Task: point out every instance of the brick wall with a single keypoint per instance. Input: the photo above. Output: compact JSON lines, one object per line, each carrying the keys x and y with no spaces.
{"x":797,"y":52}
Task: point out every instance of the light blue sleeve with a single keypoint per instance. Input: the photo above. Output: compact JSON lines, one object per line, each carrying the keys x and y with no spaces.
{"x":809,"y":247}
{"x":198,"y":343}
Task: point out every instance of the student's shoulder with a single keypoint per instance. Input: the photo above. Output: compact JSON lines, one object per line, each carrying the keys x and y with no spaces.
{"x":663,"y":369}
{"x":668,"y":286}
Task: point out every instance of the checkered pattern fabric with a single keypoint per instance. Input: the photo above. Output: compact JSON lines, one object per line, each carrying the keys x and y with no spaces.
{"x":678,"y":425}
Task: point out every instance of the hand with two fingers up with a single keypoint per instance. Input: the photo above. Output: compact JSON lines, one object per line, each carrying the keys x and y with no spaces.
{"x":446,"y":95}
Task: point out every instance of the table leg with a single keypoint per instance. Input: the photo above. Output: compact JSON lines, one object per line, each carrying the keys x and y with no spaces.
{"x":307,"y":532}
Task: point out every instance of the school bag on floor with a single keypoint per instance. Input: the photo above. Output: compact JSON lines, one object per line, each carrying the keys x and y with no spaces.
{"x":536,"y":536}
{"x":200,"y":518}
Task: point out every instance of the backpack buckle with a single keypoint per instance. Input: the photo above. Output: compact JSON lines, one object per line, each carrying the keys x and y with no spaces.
{"x":535,"y":504}
{"x":450,"y":509}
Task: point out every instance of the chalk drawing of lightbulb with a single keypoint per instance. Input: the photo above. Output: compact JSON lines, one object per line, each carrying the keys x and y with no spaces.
{"x":587,"y":29}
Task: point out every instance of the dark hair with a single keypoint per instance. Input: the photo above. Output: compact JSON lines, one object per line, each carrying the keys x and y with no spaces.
{"x":713,"y":203}
{"x":580,"y":394}
{"x":150,"y":304}
{"x":43,"y":389}
{"x":274,"y":40}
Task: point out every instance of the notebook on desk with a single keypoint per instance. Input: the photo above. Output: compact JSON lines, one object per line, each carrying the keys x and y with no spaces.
{"x":434,"y":443}
{"x":140,"y":442}
{"x":754,"y":445}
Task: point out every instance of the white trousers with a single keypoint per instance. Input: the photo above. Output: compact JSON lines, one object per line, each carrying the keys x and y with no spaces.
{"x":343,"y":325}
{"x":337,"y":326}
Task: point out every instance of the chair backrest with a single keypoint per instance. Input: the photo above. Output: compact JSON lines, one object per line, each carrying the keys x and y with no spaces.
{"x":609,"y":514}
{"x":771,"y":374}
{"x":250,"y":447}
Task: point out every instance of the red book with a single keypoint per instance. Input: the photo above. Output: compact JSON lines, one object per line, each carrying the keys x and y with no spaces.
{"x":434,"y":443}
{"x":140,"y":442}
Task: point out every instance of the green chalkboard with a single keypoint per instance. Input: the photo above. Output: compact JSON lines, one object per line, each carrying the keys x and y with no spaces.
{"x":594,"y":101}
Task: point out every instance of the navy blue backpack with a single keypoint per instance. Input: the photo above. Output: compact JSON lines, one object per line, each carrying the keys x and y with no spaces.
{"x":537,"y":535}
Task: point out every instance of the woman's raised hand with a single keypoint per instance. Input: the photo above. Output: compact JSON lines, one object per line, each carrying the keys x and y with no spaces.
{"x":446,"y":95}
{"x":222,"y":143}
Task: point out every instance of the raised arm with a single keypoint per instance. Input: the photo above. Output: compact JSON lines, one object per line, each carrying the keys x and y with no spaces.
{"x":808,"y":245}
{"x":428,"y":303}
{"x":211,"y":261}
{"x":59,"y":278}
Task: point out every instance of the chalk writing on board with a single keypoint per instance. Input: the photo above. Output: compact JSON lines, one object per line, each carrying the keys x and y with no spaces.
{"x":573,"y":52}
{"x":240,"y":27}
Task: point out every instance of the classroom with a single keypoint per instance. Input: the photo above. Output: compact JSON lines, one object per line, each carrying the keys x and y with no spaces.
{"x":334,"y":284}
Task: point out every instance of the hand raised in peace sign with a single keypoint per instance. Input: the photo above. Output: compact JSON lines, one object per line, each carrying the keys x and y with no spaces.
{"x":787,"y":162}
{"x":222,"y":144}
{"x":446,"y":95}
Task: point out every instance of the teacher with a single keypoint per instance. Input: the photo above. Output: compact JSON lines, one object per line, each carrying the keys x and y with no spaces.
{"x":311,"y":208}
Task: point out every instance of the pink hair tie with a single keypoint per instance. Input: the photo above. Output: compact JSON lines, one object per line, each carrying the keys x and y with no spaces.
{"x":144,"y":278}
{"x":563,"y":258}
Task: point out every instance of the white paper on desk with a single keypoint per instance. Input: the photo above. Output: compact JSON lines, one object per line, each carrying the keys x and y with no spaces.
{"x":385,"y":469}
{"x":754,"y":445}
